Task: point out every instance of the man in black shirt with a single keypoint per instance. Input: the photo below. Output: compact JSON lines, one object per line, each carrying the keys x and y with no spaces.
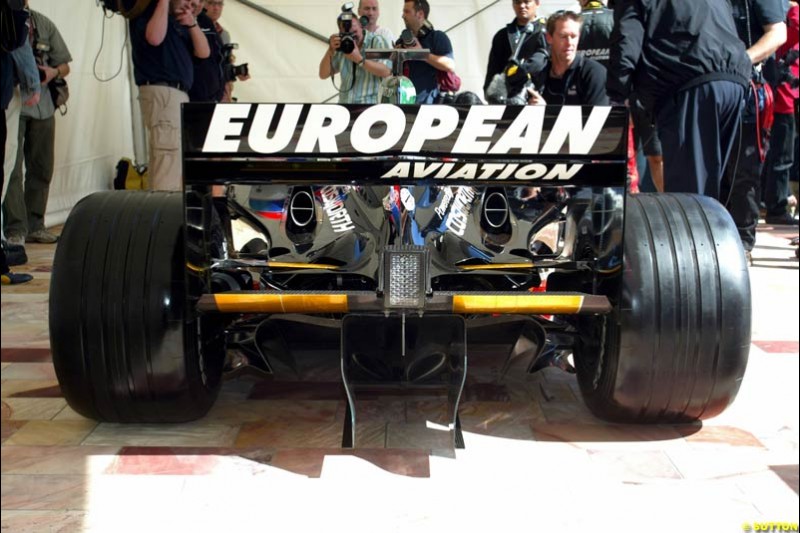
{"x":209,"y":75}
{"x":761,"y":27}
{"x":598,"y":23}
{"x":568,"y":78}
{"x":693,"y":84}
{"x":515,"y":34}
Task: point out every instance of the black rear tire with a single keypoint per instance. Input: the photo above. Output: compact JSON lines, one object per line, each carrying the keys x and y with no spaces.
{"x":127,"y":345}
{"x":675,"y":349}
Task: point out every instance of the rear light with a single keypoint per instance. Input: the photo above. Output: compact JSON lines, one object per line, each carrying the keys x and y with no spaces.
{"x":405,"y":277}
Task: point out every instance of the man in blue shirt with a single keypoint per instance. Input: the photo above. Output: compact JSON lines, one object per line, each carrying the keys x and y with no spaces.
{"x":424,"y":74}
{"x":164,"y":40}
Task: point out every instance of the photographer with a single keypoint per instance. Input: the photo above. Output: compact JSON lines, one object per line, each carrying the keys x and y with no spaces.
{"x":513,"y":36}
{"x":231,"y":72}
{"x":209,"y":73}
{"x":423,"y":74}
{"x":26,"y":199}
{"x":360,"y":77}
{"x":163,"y":40}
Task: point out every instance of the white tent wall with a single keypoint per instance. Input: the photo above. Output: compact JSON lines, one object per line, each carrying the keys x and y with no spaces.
{"x":97,"y":130}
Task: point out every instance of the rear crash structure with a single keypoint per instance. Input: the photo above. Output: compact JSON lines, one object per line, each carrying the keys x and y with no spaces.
{"x":389,"y":243}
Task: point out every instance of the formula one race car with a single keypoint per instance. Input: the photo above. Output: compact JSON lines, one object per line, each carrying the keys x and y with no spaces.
{"x":391,"y":243}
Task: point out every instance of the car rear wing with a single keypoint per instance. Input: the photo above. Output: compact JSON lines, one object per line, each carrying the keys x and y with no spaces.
{"x":386,"y":143}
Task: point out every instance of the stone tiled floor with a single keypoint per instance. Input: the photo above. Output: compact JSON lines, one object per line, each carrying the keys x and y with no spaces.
{"x":267,"y":455}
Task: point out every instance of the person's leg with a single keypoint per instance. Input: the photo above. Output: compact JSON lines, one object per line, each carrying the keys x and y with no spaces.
{"x":6,"y":276}
{"x":161,"y":108}
{"x":39,"y":161}
{"x":696,"y":135}
{"x":14,"y":212}
{"x":780,"y":163}
{"x":743,"y":174}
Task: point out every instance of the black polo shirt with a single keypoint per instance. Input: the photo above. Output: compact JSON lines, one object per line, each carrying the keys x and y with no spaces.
{"x":170,"y":62}
{"x":584,"y":83}
{"x":209,"y":82}
{"x":424,"y":76}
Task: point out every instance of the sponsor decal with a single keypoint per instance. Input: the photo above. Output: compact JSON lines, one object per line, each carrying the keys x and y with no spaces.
{"x":484,"y":171}
{"x":596,"y":53}
{"x":332,"y":130}
{"x":459,"y":214}
{"x":333,"y":205}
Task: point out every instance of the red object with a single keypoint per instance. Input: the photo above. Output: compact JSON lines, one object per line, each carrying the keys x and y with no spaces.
{"x":633,"y":169}
{"x":784,"y":100}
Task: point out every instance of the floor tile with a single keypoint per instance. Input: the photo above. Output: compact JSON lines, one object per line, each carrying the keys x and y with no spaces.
{"x":56,"y":460}
{"x":286,"y":434}
{"x":191,"y":434}
{"x":20,"y":388}
{"x":32,"y":408}
{"x":52,"y":433}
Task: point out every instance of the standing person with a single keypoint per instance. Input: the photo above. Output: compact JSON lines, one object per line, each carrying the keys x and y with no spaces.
{"x":360,"y":79}
{"x":371,"y":10}
{"x":16,"y":63}
{"x":423,"y":74}
{"x":568,"y":77}
{"x":164,"y":39}
{"x":506,"y":40}
{"x":26,"y":199}
{"x":209,"y":75}
{"x":784,"y":129}
{"x":598,"y":23}
{"x":214,"y":11}
{"x":761,"y":28}
{"x":694,"y":85}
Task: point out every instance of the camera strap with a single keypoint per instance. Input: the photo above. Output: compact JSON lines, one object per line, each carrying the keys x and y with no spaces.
{"x":352,"y":80}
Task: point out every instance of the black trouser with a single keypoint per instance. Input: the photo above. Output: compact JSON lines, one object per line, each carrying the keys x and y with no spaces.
{"x":779,"y":164}
{"x":741,"y":192}
{"x":697,"y":128}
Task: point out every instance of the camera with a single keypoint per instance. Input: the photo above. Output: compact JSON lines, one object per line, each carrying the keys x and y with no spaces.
{"x":40,"y":53}
{"x":406,"y":39}
{"x":345,"y":23}
{"x":231,"y":71}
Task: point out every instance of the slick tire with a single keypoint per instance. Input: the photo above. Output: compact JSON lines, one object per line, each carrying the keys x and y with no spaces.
{"x":127,"y":345}
{"x":675,"y":348}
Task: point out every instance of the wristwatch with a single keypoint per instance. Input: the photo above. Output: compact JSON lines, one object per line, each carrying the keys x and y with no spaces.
{"x":363,"y":60}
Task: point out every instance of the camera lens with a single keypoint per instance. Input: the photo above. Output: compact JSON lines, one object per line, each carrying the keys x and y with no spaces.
{"x":347,"y":44}
{"x":407,"y":38}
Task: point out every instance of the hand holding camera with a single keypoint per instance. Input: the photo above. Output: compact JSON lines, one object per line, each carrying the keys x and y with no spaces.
{"x":407,"y":40}
{"x":47,"y":73}
{"x":233,"y":72}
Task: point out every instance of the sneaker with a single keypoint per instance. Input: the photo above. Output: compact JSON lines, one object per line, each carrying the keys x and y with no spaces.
{"x":15,"y":239}
{"x":9,"y":278}
{"x":42,"y":236}
{"x":784,"y":219}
